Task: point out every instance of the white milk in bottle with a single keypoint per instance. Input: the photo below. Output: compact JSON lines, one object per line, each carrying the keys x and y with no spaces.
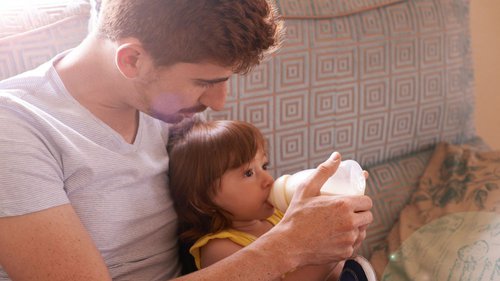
{"x":347,"y":180}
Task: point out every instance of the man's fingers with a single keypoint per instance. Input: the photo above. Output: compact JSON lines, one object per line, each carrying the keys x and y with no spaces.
{"x":361,"y":206}
{"x":365,"y":218}
{"x":358,"y":205}
{"x":362,"y":203}
{"x":313,"y":184}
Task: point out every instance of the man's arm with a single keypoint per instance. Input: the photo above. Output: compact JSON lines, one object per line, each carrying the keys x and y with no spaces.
{"x":49,"y":245}
{"x":53,"y":244}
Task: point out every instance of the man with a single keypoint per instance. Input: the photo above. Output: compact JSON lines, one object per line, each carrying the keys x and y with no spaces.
{"x":83,"y":193}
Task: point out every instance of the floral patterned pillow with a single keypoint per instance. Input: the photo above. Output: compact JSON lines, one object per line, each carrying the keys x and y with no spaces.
{"x":450,"y":230}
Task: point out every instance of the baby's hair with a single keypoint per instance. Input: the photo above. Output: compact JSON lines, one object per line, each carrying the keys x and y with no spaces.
{"x":200,"y":152}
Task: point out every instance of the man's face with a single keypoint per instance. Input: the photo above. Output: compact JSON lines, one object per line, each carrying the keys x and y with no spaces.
{"x":181,"y":90}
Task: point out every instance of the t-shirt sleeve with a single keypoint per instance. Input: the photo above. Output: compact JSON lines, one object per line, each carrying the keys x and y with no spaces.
{"x":276,"y":217}
{"x":30,"y":174}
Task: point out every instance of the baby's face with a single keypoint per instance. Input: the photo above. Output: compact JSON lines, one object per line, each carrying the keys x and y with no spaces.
{"x":244,"y":191}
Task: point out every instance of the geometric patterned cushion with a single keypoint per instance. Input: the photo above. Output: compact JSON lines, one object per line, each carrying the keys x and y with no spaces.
{"x":18,"y":17}
{"x":326,"y":8}
{"x":30,"y":36}
{"x":374,"y":85}
{"x":390,"y":186}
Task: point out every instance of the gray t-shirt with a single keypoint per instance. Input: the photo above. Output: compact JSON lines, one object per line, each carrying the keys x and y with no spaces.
{"x":53,"y":151}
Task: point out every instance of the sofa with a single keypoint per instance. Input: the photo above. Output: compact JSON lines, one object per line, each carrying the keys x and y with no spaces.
{"x":384,"y":82}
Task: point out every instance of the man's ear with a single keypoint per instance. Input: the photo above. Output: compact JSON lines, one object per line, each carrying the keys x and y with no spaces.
{"x":129,"y":58}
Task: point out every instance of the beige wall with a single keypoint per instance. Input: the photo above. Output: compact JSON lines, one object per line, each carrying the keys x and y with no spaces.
{"x":485,"y":28}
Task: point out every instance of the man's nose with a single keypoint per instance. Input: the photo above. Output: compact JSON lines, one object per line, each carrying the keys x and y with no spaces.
{"x":215,"y":97}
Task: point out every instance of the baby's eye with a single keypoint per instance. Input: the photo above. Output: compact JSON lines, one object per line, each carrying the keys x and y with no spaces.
{"x":265,"y":166}
{"x":249,"y":173}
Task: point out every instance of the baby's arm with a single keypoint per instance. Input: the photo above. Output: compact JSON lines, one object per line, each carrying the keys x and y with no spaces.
{"x":217,"y":249}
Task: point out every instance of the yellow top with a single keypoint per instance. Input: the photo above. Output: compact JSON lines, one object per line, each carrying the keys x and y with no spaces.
{"x":238,"y":237}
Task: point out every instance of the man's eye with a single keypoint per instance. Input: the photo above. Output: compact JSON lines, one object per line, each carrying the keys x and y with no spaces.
{"x":206,"y":85}
{"x":249,"y":173}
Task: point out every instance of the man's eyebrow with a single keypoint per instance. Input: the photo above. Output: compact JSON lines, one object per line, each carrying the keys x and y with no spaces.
{"x":212,"y":81}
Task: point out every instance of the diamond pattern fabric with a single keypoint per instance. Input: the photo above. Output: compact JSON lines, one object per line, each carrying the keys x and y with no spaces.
{"x":374,"y":85}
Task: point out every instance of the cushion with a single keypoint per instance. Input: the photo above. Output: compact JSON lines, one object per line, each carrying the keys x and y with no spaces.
{"x":375,"y":84}
{"x":449,"y":229}
{"x":18,"y":17}
{"x":327,"y":8}
{"x":390,"y":185}
{"x":31,"y":35}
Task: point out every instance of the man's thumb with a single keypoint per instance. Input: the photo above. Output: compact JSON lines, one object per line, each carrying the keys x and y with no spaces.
{"x":312,"y":185}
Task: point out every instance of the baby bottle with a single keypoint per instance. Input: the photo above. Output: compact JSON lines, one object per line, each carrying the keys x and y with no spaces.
{"x":347,"y":180}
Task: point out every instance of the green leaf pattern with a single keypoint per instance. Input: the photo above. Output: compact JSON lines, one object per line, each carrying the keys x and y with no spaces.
{"x":459,"y":177}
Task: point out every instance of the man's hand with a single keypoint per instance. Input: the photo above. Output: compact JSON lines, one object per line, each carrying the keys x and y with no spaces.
{"x":322,"y":229}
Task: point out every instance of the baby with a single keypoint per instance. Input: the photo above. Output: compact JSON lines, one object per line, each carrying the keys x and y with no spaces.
{"x":220,"y":184}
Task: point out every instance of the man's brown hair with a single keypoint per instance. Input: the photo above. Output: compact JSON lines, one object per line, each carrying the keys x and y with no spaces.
{"x":231,"y":33}
{"x":200,"y":153}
